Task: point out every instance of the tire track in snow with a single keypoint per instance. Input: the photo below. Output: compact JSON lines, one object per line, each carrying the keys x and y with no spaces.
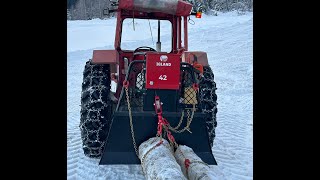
{"x":230,"y":162}
{"x":81,"y":167}
{"x":72,"y":153}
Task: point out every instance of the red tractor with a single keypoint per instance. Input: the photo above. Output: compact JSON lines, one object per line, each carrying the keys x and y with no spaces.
{"x":157,"y":90}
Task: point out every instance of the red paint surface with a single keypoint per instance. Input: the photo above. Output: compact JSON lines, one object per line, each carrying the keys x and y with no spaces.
{"x":105,"y":56}
{"x":163,"y":77}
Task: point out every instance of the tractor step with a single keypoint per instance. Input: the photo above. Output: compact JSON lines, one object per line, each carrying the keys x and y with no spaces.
{"x":119,"y":147}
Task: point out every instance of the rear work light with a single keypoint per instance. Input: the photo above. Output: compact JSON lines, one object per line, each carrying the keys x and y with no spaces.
{"x":198,"y":15}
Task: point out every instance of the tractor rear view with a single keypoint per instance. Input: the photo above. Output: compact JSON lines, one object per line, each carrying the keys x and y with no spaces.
{"x":170,"y":94}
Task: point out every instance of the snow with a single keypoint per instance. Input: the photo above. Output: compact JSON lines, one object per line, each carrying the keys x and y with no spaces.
{"x":228,"y":41}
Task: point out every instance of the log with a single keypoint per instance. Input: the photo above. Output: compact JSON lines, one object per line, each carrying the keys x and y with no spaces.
{"x":158,"y":161}
{"x":197,"y":169}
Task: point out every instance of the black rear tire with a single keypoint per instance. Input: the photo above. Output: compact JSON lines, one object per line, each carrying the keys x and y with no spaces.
{"x":96,"y":108}
{"x":208,"y":100}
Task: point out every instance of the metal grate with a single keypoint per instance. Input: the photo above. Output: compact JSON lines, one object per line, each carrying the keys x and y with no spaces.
{"x":188,"y":95}
{"x":136,"y":89}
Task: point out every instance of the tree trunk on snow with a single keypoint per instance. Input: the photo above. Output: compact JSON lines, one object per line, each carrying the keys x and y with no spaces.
{"x":158,"y":162}
{"x":197,"y":169}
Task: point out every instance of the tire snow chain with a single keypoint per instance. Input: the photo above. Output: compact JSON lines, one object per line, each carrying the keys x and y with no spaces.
{"x":98,"y":75}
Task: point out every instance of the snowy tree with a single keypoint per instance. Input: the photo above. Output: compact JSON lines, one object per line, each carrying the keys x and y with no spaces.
{"x":68,"y":14}
{"x":90,"y":9}
{"x":212,"y":7}
{"x":87,"y":9}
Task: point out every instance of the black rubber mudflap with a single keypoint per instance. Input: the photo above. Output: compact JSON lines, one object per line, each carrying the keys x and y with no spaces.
{"x":119,"y":147}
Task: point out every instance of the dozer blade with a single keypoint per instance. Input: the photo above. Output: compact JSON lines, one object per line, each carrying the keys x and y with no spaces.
{"x":119,"y":147}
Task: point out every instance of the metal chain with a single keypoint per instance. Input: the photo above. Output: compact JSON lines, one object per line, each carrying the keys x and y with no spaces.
{"x":151,"y":149}
{"x":180,"y":122}
{"x":131,"y":124}
{"x":189,"y":120}
{"x":206,"y":95}
{"x":132,"y":131}
{"x":144,"y":156}
{"x":211,"y":90}
{"x":99,"y":74}
{"x":192,"y":162}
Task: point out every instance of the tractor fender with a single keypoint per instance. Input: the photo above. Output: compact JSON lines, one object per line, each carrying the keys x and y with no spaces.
{"x":106,"y":57}
{"x":191,"y":56}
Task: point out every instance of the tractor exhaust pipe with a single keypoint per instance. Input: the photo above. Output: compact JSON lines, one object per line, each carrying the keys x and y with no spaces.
{"x":158,"y":45}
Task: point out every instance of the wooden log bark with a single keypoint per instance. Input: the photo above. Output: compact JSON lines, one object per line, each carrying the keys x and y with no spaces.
{"x":158,"y":161}
{"x":196,"y":168}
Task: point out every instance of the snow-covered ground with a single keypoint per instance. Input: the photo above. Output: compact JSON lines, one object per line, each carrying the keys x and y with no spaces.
{"x":227,"y":39}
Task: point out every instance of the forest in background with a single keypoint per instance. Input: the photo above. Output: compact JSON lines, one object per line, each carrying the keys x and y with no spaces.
{"x":91,"y":9}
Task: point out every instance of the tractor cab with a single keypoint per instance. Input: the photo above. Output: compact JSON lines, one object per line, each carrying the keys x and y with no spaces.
{"x":163,"y":16}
